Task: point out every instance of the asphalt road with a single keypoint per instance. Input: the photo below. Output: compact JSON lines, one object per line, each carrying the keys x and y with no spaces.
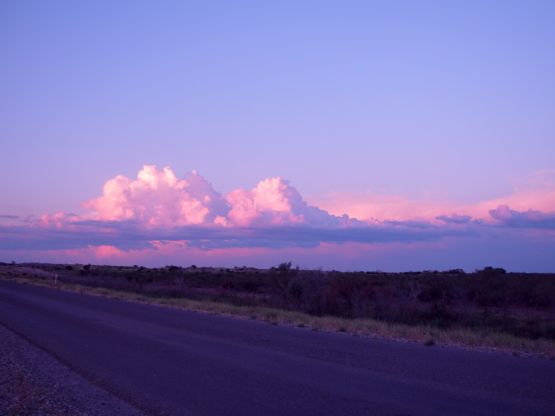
{"x":166,"y":361}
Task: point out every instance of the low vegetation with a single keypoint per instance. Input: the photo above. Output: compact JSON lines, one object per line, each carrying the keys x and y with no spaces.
{"x":487,"y":308}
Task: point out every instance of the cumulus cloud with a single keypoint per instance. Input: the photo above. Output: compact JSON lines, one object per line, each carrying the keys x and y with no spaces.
{"x":157,"y":198}
{"x":275,"y":202}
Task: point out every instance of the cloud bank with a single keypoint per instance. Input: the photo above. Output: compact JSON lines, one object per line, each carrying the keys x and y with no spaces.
{"x":158,"y":215}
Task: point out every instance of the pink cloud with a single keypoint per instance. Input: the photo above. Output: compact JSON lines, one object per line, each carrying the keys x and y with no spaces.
{"x":536,"y":192}
{"x":158,"y":254}
{"x":57,"y":220}
{"x":157,"y":198}
{"x":375,"y":206}
{"x":326,"y":255}
{"x":103,"y":254}
{"x":272,"y":202}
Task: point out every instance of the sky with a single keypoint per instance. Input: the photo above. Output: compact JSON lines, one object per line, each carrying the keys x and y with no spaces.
{"x":391,"y":135}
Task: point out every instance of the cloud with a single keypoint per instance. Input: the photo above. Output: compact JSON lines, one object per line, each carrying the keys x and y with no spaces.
{"x":275,"y":202}
{"x":130,"y":234}
{"x":57,"y":220}
{"x":504,"y":248}
{"x":9,"y":217}
{"x":159,"y":214}
{"x":158,"y":198}
{"x":454,"y":219}
{"x":504,"y":215}
{"x":370,"y":206}
{"x":536,"y":191}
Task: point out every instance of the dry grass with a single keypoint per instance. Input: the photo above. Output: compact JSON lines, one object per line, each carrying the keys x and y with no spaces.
{"x":425,"y":334}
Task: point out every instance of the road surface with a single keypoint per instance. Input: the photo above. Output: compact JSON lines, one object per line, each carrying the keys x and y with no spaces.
{"x":172,"y":362}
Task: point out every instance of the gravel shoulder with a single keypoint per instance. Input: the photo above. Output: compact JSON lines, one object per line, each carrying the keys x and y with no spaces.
{"x":34,"y":383}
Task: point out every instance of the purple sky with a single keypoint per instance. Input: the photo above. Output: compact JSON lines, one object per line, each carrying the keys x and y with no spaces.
{"x":398,"y":114}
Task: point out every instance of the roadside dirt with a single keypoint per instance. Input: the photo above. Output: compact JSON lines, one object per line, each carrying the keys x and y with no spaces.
{"x":33,"y":383}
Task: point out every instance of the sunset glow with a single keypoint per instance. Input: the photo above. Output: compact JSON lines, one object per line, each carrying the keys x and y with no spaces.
{"x":158,"y":218}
